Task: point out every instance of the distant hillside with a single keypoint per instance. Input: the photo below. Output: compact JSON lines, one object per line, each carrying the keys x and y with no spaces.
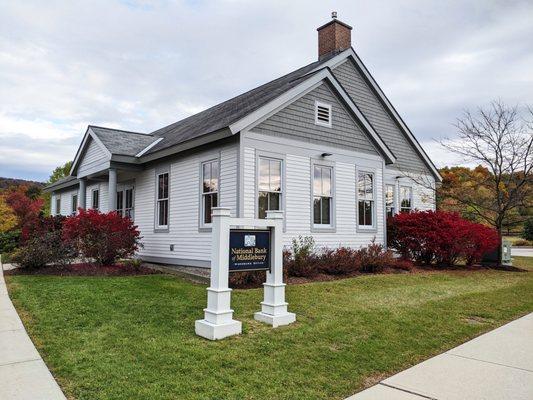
{"x":9,"y":182}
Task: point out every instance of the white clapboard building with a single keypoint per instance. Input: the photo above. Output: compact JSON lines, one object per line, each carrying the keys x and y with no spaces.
{"x":322,"y":143}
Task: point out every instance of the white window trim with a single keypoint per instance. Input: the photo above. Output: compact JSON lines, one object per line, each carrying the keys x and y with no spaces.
{"x":161,"y":228}
{"x":373,"y":227}
{"x":203,"y":226}
{"x":331,"y":227}
{"x":410,"y":197}
{"x":325,"y":105}
{"x":282,"y":182}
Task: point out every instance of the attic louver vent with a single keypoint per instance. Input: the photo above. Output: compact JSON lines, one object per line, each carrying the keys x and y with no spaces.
{"x":322,"y":114}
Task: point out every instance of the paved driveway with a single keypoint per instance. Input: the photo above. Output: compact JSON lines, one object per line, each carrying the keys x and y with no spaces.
{"x":522,"y":251}
{"x":496,"y":365}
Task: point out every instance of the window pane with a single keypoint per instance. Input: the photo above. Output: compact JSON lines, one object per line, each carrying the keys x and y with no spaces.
{"x":207,"y":208}
{"x":316,"y":210}
{"x":275,"y":175}
{"x":326,"y":181}
{"x":389,"y":196}
{"x":206,"y":177}
{"x":163,"y":212}
{"x":214,"y":176}
{"x":361,"y":186}
{"x":326,"y":211}
{"x":129,"y":198}
{"x":262,"y":204}
{"x":368,"y":213}
{"x":369,"y":186}
{"x":264,"y":174}
{"x":120,"y":197}
{"x":274,"y":202}
{"x":361,"y":212}
{"x":317,"y":181}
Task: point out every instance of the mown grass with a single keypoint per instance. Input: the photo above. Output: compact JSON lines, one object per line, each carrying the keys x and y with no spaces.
{"x":133,"y":337}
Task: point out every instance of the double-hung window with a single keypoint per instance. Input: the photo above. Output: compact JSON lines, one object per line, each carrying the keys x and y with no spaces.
{"x":162,"y":200}
{"x":366,"y":203}
{"x":58,"y":205}
{"x":95,"y":199}
{"x":74,"y":205}
{"x":210,"y":176}
{"x":406,"y":199}
{"x":389,"y":200}
{"x":322,"y":195}
{"x":269,"y":186}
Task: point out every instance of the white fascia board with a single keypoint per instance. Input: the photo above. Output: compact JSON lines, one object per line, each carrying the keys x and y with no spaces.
{"x":350,"y":53}
{"x":140,"y":153}
{"x":291,"y":95}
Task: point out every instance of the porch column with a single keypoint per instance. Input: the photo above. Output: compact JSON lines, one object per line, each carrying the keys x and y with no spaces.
{"x":82,"y":193}
{"x":112,"y":192}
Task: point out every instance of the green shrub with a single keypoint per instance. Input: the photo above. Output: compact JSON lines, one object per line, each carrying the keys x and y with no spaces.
{"x":9,"y":241}
{"x":528,"y":230}
{"x":302,"y":261}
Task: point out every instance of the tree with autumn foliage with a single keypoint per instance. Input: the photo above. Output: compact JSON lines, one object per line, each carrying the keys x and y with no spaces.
{"x":26,"y":209}
{"x":8,"y":219}
{"x":500,"y":139}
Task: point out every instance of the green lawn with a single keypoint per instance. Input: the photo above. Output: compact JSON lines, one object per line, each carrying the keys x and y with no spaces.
{"x":133,"y":337}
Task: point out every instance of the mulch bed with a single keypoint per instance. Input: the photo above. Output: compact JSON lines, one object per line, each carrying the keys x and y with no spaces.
{"x":84,"y":269}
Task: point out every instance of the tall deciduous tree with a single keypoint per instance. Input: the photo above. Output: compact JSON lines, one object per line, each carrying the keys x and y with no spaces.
{"x":60,"y":172}
{"x":500,"y":141}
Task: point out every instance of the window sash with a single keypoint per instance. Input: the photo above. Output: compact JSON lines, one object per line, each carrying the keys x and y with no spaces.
{"x":270,"y":189}
{"x":210,"y":185}
{"x":162,"y":200}
{"x":58,"y":206}
{"x":366,"y":213}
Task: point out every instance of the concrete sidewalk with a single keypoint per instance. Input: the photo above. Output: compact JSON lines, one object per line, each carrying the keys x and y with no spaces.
{"x":496,"y":365}
{"x":23,"y":373}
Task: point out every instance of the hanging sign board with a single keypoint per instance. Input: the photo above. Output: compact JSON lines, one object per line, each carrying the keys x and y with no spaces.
{"x":249,"y":250}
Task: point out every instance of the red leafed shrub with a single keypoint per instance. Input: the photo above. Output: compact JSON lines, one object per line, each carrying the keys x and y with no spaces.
{"x":374,"y":258}
{"x":340,"y":261}
{"x":302,"y":261}
{"x":439,"y":237}
{"x":105,"y":237}
{"x":404,"y":265}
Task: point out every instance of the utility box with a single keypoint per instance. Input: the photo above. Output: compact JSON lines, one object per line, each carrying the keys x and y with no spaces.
{"x":491,"y":259}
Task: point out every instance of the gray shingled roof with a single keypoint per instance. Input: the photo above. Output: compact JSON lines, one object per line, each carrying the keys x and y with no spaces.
{"x":224,"y":114}
{"x":122,"y":142}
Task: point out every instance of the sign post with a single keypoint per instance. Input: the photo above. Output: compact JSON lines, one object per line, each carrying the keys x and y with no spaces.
{"x":218,"y":321}
{"x":258,"y":248}
{"x":273,"y":307}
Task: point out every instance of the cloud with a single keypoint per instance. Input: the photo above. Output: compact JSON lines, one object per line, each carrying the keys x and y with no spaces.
{"x":141,"y":65}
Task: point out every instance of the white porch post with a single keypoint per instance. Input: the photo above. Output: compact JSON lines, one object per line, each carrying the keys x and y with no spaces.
{"x":82,"y":193}
{"x":112,"y":193}
{"x":218,"y":319}
{"x":273,"y":307}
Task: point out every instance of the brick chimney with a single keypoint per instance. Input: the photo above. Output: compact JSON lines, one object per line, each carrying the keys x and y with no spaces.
{"x":333,"y":37}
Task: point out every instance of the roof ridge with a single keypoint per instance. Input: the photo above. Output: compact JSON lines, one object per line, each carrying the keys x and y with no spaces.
{"x":120,"y":130}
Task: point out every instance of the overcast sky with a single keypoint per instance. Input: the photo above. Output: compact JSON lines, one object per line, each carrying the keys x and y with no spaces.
{"x":140,"y":65}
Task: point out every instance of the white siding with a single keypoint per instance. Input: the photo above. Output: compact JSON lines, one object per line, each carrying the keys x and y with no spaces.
{"x":95,"y":158}
{"x":103,"y":187}
{"x":190,"y":242}
{"x":298,"y":190}
{"x":66,"y":201}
